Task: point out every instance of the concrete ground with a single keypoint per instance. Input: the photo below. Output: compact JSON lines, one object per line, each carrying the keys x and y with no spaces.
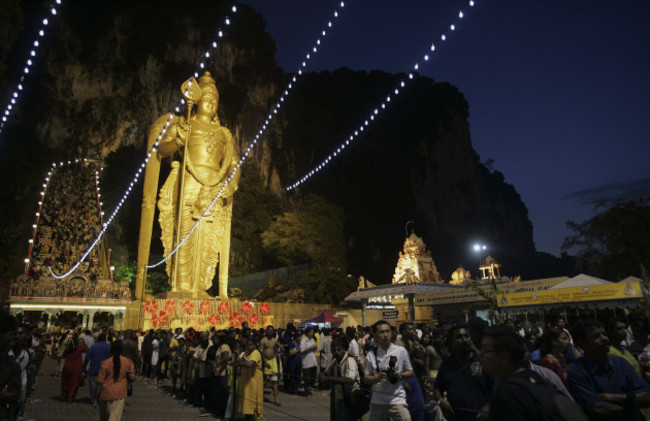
{"x":155,"y":403}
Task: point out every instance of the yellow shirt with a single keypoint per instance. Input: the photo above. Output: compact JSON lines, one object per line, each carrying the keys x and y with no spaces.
{"x":628,"y":357}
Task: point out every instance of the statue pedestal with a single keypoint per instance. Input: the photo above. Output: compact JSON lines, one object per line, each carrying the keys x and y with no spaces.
{"x":177,"y":295}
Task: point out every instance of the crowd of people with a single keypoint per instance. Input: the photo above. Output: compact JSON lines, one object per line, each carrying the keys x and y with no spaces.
{"x":512,"y":371}
{"x":69,"y":222}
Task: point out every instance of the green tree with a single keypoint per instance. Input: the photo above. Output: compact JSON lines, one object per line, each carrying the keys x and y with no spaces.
{"x":614,"y":243}
{"x":253,"y":210}
{"x":312,"y":233}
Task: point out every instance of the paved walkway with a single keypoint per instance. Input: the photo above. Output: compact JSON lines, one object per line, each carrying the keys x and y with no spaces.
{"x":154,"y":403}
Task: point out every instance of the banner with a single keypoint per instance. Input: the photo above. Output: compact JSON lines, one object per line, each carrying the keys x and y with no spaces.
{"x":622,"y":291}
{"x":468,"y":295}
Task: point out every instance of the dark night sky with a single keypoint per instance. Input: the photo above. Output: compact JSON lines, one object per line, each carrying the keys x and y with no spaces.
{"x":558,"y":90}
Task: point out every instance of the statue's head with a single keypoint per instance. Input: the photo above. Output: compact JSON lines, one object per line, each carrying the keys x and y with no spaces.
{"x":208,"y":86}
{"x":209,"y":95}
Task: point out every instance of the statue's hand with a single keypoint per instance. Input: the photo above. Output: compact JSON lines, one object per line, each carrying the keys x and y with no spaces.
{"x":183,"y":131}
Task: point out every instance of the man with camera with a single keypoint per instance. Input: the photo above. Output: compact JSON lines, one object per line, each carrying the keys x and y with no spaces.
{"x":386,"y":366}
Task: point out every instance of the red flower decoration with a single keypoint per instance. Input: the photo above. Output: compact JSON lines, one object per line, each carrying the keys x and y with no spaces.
{"x":253,"y":319}
{"x":170,"y":306}
{"x":214,"y":319}
{"x":246,"y":307}
{"x":188,"y":306}
{"x":205,"y":306}
{"x":265,"y":309}
{"x":160,"y":319}
{"x":224,"y":307}
{"x":151,"y":306}
{"x":235,"y":319}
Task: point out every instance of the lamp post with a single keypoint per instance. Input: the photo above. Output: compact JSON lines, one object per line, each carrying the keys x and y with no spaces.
{"x":479,"y":249}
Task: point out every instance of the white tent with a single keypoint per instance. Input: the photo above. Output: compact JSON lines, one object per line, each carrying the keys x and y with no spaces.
{"x":581,"y":280}
{"x":632,"y":279}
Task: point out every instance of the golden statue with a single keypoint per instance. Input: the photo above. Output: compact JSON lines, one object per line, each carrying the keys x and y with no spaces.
{"x":209,"y":157}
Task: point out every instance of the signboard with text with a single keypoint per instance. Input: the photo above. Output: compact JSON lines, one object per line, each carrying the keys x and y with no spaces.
{"x":389,"y":314}
{"x":468,"y":295}
{"x":620,"y":291}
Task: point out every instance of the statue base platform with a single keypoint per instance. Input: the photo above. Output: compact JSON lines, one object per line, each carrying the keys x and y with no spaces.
{"x":177,"y":295}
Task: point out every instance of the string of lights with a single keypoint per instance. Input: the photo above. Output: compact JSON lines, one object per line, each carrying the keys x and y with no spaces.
{"x":42,"y":194}
{"x":177,"y":108}
{"x":374,"y":114}
{"x":274,"y":111}
{"x":29,"y":62}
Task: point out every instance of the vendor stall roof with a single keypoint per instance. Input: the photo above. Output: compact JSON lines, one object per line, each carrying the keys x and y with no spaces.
{"x":399,"y":289}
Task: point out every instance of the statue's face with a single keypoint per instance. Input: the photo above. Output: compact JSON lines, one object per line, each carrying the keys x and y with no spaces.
{"x":207,"y":106}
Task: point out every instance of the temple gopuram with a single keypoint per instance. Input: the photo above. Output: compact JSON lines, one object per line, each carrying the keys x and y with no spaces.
{"x":53,"y":288}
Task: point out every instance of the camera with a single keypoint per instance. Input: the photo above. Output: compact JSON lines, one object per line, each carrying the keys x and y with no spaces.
{"x":391,"y":371}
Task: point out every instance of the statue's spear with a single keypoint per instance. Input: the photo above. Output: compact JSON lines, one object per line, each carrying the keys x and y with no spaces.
{"x":192,"y":93}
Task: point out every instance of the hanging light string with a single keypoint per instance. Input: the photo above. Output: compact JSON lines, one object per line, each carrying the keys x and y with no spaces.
{"x":177,"y":108}
{"x":39,"y":212}
{"x":396,"y":91}
{"x":315,"y":48}
{"x":31,"y":57}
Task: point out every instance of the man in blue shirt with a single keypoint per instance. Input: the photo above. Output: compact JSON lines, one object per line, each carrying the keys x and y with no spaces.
{"x":606,"y":387}
{"x":99,"y":352}
{"x":462,"y":376}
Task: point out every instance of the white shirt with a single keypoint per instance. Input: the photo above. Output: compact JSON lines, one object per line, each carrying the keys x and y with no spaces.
{"x":354,"y":347}
{"x":308,"y":358}
{"x":384,"y":392}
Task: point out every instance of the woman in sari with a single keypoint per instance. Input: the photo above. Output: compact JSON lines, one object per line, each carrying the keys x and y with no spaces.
{"x":71,"y":376}
{"x":251,"y":394}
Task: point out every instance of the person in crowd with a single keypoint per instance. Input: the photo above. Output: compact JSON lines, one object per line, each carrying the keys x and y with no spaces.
{"x":343,"y":375}
{"x":89,"y":340}
{"x":294,"y":364}
{"x":177,"y":351}
{"x":325,"y":353}
{"x":432,"y":357}
{"x":641,"y":342}
{"x":19,"y":352}
{"x":270,"y":348}
{"x":414,"y":395}
{"x":520,"y":394}
{"x":462,"y":377}
{"x":204,"y":371}
{"x":616,"y":330}
{"x":286,"y":338}
{"x":351,"y":333}
{"x":308,"y":360}
{"x":155,"y":355}
{"x":519,"y":328}
{"x":220,"y":383}
{"x":555,"y":342}
{"x":112,"y":384}
{"x":147,"y":352}
{"x":10,"y":371}
{"x":71,"y":375}
{"x":572,"y":353}
{"x":606,"y":387}
{"x":251,"y":395}
{"x":386,"y":367}
{"x":97,"y":353}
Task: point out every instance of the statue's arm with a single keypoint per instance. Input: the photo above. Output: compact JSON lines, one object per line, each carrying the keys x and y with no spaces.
{"x":174,"y":139}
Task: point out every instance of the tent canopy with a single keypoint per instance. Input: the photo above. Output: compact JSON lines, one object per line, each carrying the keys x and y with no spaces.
{"x":324,"y":317}
{"x":581,"y":280}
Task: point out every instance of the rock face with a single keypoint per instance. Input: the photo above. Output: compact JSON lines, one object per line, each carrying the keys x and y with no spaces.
{"x":114,"y":66}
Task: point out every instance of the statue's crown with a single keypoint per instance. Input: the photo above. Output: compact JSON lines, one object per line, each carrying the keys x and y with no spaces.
{"x":208,"y":85}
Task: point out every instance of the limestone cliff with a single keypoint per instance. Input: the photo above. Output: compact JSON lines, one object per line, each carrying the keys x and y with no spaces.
{"x":113,"y":66}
